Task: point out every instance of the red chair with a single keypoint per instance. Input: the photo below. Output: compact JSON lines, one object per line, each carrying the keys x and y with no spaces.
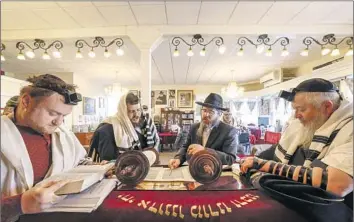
{"x":272,"y":137}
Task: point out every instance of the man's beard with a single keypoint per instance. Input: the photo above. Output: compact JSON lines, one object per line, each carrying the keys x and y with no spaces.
{"x":202,"y":126}
{"x":310,"y":129}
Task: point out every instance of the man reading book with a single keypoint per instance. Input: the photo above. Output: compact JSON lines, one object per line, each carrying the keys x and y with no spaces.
{"x":35,"y":145}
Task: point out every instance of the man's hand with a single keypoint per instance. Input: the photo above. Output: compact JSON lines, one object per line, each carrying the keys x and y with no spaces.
{"x":174,"y":163}
{"x":246,"y":164}
{"x":194,"y":148}
{"x":41,"y":196}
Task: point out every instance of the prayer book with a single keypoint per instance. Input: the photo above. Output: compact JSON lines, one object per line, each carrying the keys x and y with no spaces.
{"x":80,"y":178}
{"x":86,"y":201}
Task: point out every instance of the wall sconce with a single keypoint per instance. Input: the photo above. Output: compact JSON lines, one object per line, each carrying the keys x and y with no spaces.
{"x":261,"y":42}
{"x":328,"y":39}
{"x":99,"y":41}
{"x":198,"y":39}
{"x":3,"y":47}
{"x":38,"y":44}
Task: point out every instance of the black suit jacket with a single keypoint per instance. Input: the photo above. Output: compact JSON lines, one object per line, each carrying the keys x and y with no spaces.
{"x":222,"y":139}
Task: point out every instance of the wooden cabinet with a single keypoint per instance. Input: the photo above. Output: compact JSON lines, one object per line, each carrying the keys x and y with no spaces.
{"x":85,"y":138}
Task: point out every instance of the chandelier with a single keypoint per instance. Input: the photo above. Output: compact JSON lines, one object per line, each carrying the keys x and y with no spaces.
{"x":2,"y":49}
{"x":38,"y":44}
{"x":328,"y":39}
{"x":99,"y":41}
{"x":198,"y":39}
{"x":262,"y":42}
{"x":115,"y":90}
{"x":232,"y":90}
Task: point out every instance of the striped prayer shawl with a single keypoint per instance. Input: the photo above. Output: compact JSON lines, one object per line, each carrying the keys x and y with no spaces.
{"x":324,"y":136}
{"x":151,"y":135}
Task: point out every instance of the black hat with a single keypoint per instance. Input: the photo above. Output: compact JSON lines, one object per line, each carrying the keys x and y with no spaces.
{"x":310,"y":85}
{"x":213,"y":101}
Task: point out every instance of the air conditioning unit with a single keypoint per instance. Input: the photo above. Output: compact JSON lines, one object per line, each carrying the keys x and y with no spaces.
{"x":272,"y":78}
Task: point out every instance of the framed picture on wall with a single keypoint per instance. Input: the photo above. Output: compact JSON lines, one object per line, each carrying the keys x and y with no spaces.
{"x":185,"y":98}
{"x":160,"y":97}
{"x":89,"y":105}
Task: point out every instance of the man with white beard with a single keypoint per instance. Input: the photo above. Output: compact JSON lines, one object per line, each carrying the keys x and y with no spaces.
{"x":317,"y":147}
{"x":210,"y":133}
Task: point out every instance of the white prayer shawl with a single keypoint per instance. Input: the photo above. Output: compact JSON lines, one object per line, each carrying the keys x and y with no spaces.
{"x":16,"y":166}
{"x":332,"y":140}
{"x":124,"y":133}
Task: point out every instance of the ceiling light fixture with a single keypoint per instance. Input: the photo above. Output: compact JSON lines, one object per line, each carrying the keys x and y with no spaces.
{"x":232,"y":90}
{"x":38,"y":44}
{"x":329,"y":39}
{"x":99,"y":41}
{"x":3,"y":47}
{"x":198,"y":39}
{"x":262,"y":42}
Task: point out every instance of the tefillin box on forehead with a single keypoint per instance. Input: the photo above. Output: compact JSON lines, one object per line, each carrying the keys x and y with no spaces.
{"x":72,"y":98}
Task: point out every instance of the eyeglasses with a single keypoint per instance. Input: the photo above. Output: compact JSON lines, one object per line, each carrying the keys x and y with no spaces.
{"x":210,"y":112}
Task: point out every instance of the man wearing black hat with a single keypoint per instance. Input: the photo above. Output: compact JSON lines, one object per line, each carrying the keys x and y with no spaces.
{"x":317,"y":147}
{"x":210,"y":133}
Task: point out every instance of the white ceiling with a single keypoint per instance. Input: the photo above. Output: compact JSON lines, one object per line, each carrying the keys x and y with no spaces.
{"x":166,"y":69}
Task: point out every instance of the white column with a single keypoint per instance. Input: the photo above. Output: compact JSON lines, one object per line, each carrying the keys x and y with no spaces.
{"x":145,"y":77}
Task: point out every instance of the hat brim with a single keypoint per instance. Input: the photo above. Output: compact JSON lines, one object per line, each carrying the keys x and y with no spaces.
{"x":211,"y":106}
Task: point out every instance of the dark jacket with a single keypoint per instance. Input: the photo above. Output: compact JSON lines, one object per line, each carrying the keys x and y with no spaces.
{"x":104,"y":145}
{"x":222,"y":139}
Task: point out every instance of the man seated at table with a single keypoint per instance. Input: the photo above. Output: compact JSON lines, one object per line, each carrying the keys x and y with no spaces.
{"x":317,"y":148}
{"x":34,"y":146}
{"x":123,"y":131}
{"x":10,"y":105}
{"x":210,"y":133}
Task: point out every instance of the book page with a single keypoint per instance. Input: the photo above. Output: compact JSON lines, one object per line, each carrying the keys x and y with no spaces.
{"x":151,"y":156}
{"x":165,"y":174}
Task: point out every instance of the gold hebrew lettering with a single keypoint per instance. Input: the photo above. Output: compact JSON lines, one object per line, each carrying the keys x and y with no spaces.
{"x":213,"y":213}
{"x":222,"y":211}
{"x":195,"y":215}
{"x":173,"y":211}
{"x":206,"y":215}
{"x":160,"y":209}
{"x":237,"y":205}
{"x":152,"y":208}
{"x":228,"y":209}
{"x":145,"y":204}
{"x":166,"y":211}
{"x":181,"y":215}
{"x":200,"y":215}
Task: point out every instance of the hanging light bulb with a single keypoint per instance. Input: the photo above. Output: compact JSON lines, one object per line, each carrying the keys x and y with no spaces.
{"x":222,"y":49}
{"x":190,"y":52}
{"x":176,"y":52}
{"x":269,"y":52}
{"x":284,"y":52}
{"x":325,"y":51}
{"x":20,"y":56}
{"x":305,"y":52}
{"x":350,"y":51}
{"x":57,"y":54}
{"x":79,"y":54}
{"x":2,"y":57}
{"x":259,"y":49}
{"x":240,"y":52}
{"x":335,"y":52}
{"x":203,"y":52}
{"x":120,"y":52}
{"x":30,"y":54}
{"x":91,"y":54}
{"x":106,"y":53}
{"x":45,"y":56}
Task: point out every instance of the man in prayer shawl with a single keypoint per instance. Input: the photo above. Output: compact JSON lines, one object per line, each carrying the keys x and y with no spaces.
{"x":123,"y":131}
{"x":35,"y":145}
{"x":10,"y":105}
{"x":317,"y":147}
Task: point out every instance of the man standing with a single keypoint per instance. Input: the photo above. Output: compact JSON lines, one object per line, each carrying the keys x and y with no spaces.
{"x":123,"y":131}
{"x":210,"y":133}
{"x":35,"y":145}
{"x":317,"y":147}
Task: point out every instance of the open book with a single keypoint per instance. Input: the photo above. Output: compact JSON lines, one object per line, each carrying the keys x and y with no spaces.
{"x":80,"y":178}
{"x":165,"y":174}
{"x":87,"y":201}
